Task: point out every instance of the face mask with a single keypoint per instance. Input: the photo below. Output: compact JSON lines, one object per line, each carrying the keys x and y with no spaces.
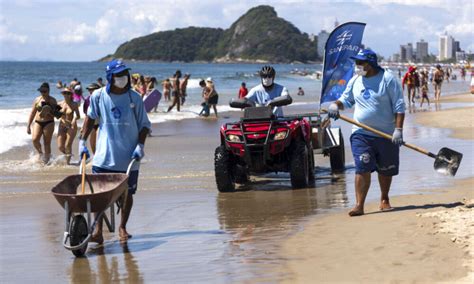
{"x":121,"y":82}
{"x":359,"y":70}
{"x":267,"y":82}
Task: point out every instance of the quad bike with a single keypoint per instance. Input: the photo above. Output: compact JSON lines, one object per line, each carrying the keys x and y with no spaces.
{"x":262,"y":143}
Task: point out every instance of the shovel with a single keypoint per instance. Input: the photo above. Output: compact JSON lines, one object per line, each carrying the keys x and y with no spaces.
{"x":447,"y":161}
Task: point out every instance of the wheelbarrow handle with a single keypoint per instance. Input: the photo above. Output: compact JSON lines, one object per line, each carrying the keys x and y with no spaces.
{"x":129,"y":168}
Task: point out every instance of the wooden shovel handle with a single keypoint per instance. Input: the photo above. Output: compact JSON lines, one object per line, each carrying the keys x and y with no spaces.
{"x":83,"y":184}
{"x":385,"y":135}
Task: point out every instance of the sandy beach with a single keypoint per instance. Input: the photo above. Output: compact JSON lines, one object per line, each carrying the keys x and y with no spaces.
{"x":427,"y":238}
{"x":185,"y":231}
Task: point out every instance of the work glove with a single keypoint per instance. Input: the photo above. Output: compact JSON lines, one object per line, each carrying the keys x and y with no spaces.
{"x":397,"y":136}
{"x":333,"y":111}
{"x":138,"y":153}
{"x":83,"y":149}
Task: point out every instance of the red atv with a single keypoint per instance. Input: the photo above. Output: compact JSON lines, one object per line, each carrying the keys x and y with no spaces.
{"x":261,"y":143}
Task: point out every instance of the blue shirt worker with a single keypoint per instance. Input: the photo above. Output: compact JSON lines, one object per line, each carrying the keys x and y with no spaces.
{"x":267,"y":90}
{"x":123,"y":128}
{"x":378,"y":100}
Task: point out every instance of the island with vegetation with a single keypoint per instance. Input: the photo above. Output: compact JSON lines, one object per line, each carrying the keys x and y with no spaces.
{"x":257,"y":36}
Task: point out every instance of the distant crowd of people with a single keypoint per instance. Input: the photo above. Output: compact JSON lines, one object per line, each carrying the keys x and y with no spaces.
{"x":417,"y":81}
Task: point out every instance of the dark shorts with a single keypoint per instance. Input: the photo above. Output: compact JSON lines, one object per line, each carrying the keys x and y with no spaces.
{"x":375,"y":154}
{"x":132,"y":179}
{"x":213,"y":100}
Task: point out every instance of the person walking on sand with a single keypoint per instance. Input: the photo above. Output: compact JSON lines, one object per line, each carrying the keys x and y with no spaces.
{"x":183,"y":87}
{"x":44,"y":109}
{"x":212,"y":95}
{"x":243,"y":91}
{"x":410,"y":79}
{"x":176,"y":91}
{"x":124,"y":126}
{"x":378,"y":100}
{"x":166,"y":89}
{"x":67,"y":128}
{"x":438,"y":81}
{"x":267,"y":90}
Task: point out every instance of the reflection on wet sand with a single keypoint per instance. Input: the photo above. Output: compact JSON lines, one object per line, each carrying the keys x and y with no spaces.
{"x":259,"y":215}
{"x":269,"y":203}
{"x":109,"y":267}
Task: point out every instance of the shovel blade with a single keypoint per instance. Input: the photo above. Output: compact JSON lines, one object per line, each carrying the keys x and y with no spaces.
{"x":447,"y":161}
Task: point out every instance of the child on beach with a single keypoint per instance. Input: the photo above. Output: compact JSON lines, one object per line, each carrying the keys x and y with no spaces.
{"x":205,"y":107}
{"x":67,"y":129}
{"x":424,"y":88}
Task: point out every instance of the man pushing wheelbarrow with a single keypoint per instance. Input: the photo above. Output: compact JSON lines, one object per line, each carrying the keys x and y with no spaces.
{"x":124,"y":126}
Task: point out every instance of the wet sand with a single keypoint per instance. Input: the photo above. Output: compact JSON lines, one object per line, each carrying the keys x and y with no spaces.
{"x":183,"y":229}
{"x":427,"y":238}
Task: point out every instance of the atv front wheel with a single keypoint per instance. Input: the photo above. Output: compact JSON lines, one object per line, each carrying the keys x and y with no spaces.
{"x":337,"y":157}
{"x":225,"y":179}
{"x":299,"y":164}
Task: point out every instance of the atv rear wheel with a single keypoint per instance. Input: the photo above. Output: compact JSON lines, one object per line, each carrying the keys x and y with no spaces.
{"x":337,"y":157}
{"x":299,"y":164}
{"x":223,"y":166}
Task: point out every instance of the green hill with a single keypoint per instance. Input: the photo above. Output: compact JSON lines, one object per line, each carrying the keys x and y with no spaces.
{"x":258,"y":35}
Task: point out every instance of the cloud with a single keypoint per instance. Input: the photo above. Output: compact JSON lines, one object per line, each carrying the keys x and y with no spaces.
{"x":6,"y":36}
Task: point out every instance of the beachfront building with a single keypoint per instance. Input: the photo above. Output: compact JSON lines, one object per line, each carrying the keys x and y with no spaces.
{"x":446,"y":45}
{"x":406,"y":53}
{"x":421,"y":50}
{"x":322,"y":38}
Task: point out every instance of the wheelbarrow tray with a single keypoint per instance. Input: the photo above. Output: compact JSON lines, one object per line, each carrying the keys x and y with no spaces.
{"x":107,"y":188}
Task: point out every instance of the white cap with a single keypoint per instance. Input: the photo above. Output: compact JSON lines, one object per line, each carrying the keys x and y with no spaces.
{"x":209,"y":79}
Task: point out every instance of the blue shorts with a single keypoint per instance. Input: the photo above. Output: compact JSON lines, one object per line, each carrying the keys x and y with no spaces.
{"x":132,"y":178}
{"x":374,"y":154}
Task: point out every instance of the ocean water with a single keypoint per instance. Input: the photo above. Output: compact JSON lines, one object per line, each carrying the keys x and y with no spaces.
{"x":19,"y":82}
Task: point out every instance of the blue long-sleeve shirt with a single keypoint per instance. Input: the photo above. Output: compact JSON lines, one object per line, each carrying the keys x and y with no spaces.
{"x":377,"y":100}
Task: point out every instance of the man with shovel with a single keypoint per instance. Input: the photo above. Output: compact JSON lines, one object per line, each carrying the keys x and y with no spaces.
{"x":378,"y":100}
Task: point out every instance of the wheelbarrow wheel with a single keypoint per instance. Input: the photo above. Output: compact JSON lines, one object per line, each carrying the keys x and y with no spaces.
{"x":78,"y":233}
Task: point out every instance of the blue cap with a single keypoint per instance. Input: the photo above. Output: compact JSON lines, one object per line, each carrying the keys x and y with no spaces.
{"x":115,"y":66}
{"x":367,"y":55}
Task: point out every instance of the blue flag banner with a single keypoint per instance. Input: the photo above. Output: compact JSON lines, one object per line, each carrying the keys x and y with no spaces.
{"x":343,"y":42}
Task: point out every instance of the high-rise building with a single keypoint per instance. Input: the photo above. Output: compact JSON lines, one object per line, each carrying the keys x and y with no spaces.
{"x":421,"y":50}
{"x":446,"y":44}
{"x":322,"y":38}
{"x":406,"y":52}
{"x":456,"y":47}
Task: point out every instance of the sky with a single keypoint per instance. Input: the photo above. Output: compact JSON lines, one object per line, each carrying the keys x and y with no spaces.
{"x":86,"y":30}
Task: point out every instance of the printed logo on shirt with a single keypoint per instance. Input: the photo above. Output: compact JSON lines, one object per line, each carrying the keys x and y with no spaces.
{"x":116,"y":113}
{"x":365,"y":93}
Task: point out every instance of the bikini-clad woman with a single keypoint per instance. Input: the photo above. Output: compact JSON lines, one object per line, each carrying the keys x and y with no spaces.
{"x":42,"y":113}
{"x":67,"y":129}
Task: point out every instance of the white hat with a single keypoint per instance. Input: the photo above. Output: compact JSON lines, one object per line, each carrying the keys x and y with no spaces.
{"x":209,"y":79}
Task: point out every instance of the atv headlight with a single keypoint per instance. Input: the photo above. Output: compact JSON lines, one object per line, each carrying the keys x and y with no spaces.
{"x":280,"y":135}
{"x":233,"y":138}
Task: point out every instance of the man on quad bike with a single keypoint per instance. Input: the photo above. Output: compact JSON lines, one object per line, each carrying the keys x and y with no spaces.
{"x":267,"y":90}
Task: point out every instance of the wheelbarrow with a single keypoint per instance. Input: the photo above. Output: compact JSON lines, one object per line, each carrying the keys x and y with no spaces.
{"x":79,"y":203}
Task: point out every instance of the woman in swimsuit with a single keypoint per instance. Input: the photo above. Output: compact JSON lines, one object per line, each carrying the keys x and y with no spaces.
{"x":67,"y":129}
{"x":42,"y":113}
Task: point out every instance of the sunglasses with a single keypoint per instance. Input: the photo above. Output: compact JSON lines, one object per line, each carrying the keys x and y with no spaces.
{"x":266,"y":76}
